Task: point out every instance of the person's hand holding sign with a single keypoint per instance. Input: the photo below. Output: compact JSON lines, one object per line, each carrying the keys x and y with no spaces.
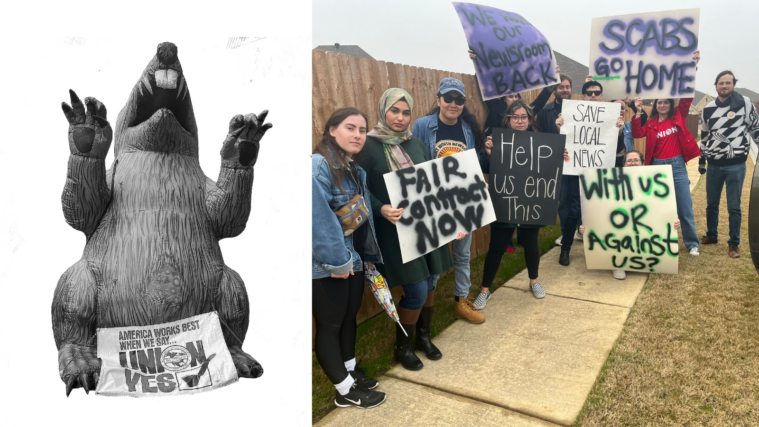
{"x":391,"y":214}
{"x":559,"y":122}
{"x":638,"y":106}
{"x":489,"y":145}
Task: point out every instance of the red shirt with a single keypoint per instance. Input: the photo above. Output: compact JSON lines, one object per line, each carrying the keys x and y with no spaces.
{"x":667,"y":144}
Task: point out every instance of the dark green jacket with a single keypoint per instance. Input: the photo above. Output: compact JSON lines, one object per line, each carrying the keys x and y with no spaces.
{"x":372,"y":160}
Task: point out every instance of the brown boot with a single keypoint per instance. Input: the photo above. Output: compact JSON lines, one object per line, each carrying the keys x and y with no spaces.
{"x":465,"y":310}
{"x":732,"y":252}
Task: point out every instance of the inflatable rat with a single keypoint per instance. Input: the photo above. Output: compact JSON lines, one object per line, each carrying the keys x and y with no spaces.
{"x":153,"y":221}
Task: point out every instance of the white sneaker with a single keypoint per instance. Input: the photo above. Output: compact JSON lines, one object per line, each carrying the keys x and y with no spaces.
{"x":619,"y":274}
{"x":558,"y":241}
{"x":578,"y":236}
{"x":694,"y":251}
{"x":481,"y":300}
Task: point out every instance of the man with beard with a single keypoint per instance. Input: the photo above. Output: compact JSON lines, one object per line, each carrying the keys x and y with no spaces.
{"x":728,"y":124}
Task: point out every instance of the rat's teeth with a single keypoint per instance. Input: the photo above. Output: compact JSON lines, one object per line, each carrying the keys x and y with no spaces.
{"x":166,"y":79}
{"x":146,"y":82}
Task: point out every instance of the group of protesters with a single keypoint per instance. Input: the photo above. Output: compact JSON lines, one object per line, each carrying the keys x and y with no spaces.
{"x":353,"y":220}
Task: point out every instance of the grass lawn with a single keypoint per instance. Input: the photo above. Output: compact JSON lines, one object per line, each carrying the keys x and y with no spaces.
{"x":688,"y":351}
{"x":376,"y":336}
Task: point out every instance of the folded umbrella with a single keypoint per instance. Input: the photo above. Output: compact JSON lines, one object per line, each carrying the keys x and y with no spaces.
{"x":381,"y":292}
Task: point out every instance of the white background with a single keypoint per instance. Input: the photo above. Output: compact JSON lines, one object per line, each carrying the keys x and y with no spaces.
{"x":38,"y":246}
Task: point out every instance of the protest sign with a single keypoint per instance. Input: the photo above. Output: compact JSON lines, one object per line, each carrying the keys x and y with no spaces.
{"x":592,"y":132}
{"x":512,"y":55}
{"x":525,"y":176}
{"x":182,"y":357}
{"x":440,"y":198}
{"x":629,"y":217}
{"x":645,"y":55}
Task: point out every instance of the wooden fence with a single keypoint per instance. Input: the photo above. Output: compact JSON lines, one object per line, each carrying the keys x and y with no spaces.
{"x":348,"y":81}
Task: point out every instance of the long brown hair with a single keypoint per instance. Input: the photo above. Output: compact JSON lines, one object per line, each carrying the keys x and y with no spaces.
{"x":328,"y":147}
{"x":519,"y":103}
{"x":671,"y":111}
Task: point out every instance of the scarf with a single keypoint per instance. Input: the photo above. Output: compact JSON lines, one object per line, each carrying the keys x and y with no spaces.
{"x":395,"y":155}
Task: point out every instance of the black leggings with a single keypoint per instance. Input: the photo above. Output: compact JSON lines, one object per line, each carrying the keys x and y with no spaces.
{"x":335,"y":304}
{"x":500,"y":239}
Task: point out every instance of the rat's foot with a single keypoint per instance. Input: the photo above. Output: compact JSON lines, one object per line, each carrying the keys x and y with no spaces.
{"x":90,"y":134}
{"x":244,"y":139}
{"x":79,"y":366}
{"x":246,"y":365}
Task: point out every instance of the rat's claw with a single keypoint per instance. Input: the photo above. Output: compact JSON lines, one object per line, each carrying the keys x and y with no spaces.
{"x":70,"y":385}
{"x":236,"y":123}
{"x":84,"y":383}
{"x":262,"y":117}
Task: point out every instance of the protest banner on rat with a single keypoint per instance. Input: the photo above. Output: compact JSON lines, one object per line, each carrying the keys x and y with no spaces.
{"x":440,"y":198}
{"x":182,"y":357}
{"x":512,"y":55}
{"x":592,"y":132}
{"x":525,"y":176}
{"x":645,"y":55}
{"x":629,"y":217}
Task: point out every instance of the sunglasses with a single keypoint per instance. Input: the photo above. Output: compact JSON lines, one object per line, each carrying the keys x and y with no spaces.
{"x":593,"y":92}
{"x":448,"y":98}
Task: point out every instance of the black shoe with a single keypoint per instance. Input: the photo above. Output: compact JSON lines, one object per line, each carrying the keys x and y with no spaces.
{"x":362,"y":380}
{"x":564,"y":258}
{"x":360,"y":398}
{"x":423,"y":337}
{"x":403,"y":352}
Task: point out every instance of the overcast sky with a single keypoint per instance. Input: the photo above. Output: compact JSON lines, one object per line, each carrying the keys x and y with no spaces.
{"x":428,"y":33}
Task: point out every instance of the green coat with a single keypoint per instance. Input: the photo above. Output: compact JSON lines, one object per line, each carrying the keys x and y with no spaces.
{"x":372,"y":159}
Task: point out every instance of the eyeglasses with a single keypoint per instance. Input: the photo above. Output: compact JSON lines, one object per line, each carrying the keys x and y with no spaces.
{"x":520,"y":118}
{"x":592,"y":92}
{"x":448,"y":98}
{"x":632,"y":161}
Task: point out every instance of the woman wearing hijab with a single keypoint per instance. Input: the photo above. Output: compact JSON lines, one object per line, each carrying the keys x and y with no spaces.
{"x":390,"y":147}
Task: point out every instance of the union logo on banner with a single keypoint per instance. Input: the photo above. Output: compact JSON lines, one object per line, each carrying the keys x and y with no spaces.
{"x":182,"y":357}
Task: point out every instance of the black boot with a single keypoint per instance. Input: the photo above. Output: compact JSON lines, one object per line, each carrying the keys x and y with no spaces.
{"x":564,"y":258}
{"x":403,"y":351}
{"x":423,"y":337}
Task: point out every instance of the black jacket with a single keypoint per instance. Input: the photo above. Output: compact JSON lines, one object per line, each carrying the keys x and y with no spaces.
{"x":547,"y":118}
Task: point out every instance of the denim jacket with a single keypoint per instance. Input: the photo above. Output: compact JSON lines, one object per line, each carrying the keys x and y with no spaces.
{"x":425,"y":128}
{"x":331,"y":251}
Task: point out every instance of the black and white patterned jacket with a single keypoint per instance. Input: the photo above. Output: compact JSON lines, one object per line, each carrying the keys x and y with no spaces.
{"x":726,"y":130}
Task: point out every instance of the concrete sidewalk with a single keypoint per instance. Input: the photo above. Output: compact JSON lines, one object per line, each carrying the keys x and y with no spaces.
{"x":532,"y":363}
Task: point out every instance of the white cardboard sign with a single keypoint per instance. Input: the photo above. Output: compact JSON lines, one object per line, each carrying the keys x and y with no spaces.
{"x":182,"y":357}
{"x":629,"y":217}
{"x":645,"y":55}
{"x":592,"y":132}
{"x":440,"y":198}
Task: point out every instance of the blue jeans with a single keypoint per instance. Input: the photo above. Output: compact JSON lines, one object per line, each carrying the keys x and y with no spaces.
{"x":415,"y":294}
{"x":732,"y":177}
{"x":461,"y":255}
{"x":682,"y":197}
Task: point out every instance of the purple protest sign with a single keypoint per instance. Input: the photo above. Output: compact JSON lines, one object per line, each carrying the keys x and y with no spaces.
{"x":512,"y":55}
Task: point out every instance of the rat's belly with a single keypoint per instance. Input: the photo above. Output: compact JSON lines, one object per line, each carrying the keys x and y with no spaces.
{"x":160,"y":260}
